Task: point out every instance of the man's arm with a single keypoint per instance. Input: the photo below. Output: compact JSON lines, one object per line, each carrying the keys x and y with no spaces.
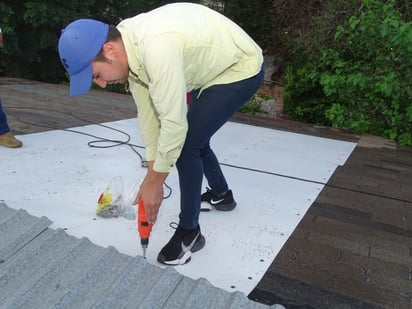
{"x":151,"y":189}
{"x":163,"y":59}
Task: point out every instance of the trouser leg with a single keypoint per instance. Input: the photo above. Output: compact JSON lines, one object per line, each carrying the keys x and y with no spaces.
{"x":206,"y":114}
{"x":4,"y":127}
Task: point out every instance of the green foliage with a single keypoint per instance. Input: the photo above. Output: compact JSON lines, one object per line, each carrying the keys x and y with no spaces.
{"x":363,"y":79}
{"x":350,"y":64}
{"x":31,"y":30}
{"x":253,"y":16}
{"x":254,"y":105}
{"x":304,"y":99}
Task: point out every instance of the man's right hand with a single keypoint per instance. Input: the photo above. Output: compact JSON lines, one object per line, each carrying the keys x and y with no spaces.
{"x":151,"y":192}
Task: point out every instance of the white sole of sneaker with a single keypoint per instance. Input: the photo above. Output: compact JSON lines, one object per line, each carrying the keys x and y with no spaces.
{"x":205,"y":206}
{"x":183,"y":260}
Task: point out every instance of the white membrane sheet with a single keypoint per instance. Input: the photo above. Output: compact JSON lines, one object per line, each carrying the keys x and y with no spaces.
{"x":57,"y":175}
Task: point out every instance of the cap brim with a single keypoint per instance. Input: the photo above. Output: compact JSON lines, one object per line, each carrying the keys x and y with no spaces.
{"x":81,"y":82}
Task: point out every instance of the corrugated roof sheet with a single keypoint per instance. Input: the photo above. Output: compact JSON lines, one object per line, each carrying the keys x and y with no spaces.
{"x":45,"y":268}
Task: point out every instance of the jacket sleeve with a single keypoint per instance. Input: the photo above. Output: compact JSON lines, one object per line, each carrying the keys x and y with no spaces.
{"x":149,"y":124}
{"x":161,"y":104}
{"x":163,"y":60}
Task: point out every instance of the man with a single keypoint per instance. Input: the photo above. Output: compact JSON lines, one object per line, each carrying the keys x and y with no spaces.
{"x":164,"y":54}
{"x":7,"y":139}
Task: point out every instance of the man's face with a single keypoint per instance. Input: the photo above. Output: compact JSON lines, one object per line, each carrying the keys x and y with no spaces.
{"x":114,"y":70}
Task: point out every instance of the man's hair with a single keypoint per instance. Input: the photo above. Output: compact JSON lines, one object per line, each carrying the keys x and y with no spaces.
{"x":112,"y":35}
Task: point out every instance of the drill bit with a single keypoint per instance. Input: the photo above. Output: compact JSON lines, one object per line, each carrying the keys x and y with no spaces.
{"x":144,"y":247}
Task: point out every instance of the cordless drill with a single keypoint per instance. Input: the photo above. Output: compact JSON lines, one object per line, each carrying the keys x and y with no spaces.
{"x":143,"y":226}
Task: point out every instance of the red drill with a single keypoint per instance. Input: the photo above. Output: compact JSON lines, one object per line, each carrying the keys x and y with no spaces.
{"x":143,"y":226}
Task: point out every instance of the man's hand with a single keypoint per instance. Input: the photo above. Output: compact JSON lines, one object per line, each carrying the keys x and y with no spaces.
{"x":151,"y":192}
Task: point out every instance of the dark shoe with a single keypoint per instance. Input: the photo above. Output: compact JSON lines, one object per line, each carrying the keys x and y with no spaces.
{"x":219,"y":202}
{"x":179,"y":249}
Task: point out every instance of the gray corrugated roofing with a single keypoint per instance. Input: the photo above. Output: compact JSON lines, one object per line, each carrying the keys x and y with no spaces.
{"x":45,"y":268}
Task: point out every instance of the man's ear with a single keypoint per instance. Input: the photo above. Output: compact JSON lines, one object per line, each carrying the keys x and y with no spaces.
{"x":108,"y":50}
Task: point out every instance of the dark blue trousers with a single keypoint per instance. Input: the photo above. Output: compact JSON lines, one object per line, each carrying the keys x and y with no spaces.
{"x":4,"y":127}
{"x":206,"y":114}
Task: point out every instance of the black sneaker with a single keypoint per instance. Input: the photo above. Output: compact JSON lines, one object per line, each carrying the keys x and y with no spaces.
{"x":219,"y":202}
{"x":179,"y":249}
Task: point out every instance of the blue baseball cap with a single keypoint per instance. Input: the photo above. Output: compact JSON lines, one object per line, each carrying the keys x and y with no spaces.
{"x":79,"y":44}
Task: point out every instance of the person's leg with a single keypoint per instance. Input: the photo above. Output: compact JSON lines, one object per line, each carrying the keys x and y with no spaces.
{"x":7,"y":139}
{"x":4,"y":127}
{"x":207,"y":113}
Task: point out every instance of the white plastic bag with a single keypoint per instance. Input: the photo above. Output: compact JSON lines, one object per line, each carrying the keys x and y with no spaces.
{"x":110,"y":201}
{"x":113,"y":202}
{"x":130,"y":210}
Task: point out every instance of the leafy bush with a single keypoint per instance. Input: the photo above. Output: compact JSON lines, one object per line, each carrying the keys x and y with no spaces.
{"x":31,"y":30}
{"x":304,"y":98}
{"x":253,"y":16}
{"x":254,"y":105}
{"x":363,"y":80}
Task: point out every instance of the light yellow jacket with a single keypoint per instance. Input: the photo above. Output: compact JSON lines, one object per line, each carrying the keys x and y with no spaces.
{"x":171,"y":51}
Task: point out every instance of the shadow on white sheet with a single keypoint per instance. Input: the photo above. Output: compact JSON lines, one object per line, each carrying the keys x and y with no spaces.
{"x":57,"y":175}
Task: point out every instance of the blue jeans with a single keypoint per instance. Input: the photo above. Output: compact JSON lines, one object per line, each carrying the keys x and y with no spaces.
{"x":4,"y":127}
{"x":205,"y":116}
